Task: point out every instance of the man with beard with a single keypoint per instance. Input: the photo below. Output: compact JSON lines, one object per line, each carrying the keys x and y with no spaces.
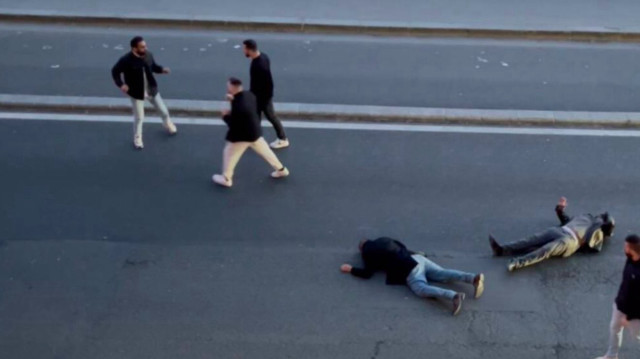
{"x":138,"y":67}
{"x":585,"y":232}
{"x":262,"y":87}
{"x":626,"y":309}
{"x":404,"y":266}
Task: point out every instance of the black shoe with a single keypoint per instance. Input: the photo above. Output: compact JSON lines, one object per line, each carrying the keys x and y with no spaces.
{"x":457,"y":303}
{"x":495,"y":247}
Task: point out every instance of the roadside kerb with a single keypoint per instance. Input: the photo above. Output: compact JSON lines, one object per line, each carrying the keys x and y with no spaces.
{"x":302,"y":25}
{"x":336,"y":113}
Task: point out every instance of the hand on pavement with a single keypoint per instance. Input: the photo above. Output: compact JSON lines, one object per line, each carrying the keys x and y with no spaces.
{"x":346,"y":268}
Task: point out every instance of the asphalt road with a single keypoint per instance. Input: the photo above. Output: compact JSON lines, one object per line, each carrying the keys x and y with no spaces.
{"x":449,"y":73}
{"x":111,"y":253}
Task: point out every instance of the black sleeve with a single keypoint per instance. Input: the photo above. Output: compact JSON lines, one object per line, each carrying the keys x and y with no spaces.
{"x":116,"y":72}
{"x":562,"y":215}
{"x":226,"y":119}
{"x":364,"y":273}
{"x":154,"y":66}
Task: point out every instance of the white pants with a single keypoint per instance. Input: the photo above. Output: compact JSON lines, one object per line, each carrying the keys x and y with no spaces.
{"x":138,"y":112}
{"x":618,"y":323}
{"x":234,"y":150}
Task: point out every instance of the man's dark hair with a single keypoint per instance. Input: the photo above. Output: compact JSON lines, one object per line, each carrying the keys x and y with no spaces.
{"x":250,"y":44}
{"x":135,"y":41}
{"x":235,"y":81}
{"x":633,"y":239}
{"x":634,"y":242}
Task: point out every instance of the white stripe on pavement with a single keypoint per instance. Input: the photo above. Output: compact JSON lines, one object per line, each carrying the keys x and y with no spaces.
{"x":337,"y":125}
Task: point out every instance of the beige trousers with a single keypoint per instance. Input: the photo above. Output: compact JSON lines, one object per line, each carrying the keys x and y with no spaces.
{"x":233,"y":151}
{"x":138,"y":112}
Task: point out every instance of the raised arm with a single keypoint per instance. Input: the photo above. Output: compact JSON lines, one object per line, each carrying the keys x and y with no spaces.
{"x":560,"y":211}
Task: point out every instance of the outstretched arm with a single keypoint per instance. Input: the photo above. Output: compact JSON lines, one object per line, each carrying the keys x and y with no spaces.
{"x":364,"y":273}
{"x":560,"y":211}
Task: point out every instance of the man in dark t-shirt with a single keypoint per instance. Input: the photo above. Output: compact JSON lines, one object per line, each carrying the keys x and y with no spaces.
{"x":262,"y":87}
{"x":626,"y":309}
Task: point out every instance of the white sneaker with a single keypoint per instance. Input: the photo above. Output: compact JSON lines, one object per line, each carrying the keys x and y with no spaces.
{"x":478,"y":284}
{"x":606,"y":357}
{"x":222,"y":181}
{"x":280,"y":173}
{"x":137,"y":142}
{"x":170,"y":127}
{"x":277,"y":144}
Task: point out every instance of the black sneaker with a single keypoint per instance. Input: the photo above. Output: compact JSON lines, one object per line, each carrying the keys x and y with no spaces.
{"x":457,"y":303}
{"x":495,"y":247}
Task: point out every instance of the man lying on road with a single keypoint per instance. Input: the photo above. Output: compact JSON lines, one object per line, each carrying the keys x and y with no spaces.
{"x":585,"y":232}
{"x":415,"y":270}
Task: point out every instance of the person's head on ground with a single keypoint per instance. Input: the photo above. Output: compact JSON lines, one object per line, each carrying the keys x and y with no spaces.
{"x":608,"y":225}
{"x":138,"y":46}
{"x":234,"y":85}
{"x":632,"y":247}
{"x":250,"y":48}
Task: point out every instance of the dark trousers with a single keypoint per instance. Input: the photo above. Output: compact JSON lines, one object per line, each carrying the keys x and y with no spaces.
{"x":553,"y":242}
{"x":266,"y":107}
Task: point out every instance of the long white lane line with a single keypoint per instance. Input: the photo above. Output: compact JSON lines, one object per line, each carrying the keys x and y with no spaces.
{"x":336,"y":125}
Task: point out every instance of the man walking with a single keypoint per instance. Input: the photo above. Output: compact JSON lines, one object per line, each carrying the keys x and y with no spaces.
{"x":585,"y":232}
{"x":244,"y":132}
{"x":626,"y":309}
{"x":262,"y":87}
{"x":415,"y":270}
{"x":138,"y":67}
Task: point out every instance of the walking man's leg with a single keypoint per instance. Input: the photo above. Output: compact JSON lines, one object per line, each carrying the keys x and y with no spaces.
{"x":270,"y":114}
{"x":230,"y":156}
{"x":262,"y":148}
{"x":160,"y":106}
{"x":616,"y":329}
{"x":138,"y":118}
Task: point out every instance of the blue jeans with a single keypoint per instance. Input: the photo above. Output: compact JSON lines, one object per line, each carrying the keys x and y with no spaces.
{"x":426,"y":271}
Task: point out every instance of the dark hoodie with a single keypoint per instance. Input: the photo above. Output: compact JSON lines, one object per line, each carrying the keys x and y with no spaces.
{"x":628,"y":300}
{"x":388,"y":255}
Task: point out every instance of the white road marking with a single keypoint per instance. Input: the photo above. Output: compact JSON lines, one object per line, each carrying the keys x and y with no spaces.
{"x":353,"y":126}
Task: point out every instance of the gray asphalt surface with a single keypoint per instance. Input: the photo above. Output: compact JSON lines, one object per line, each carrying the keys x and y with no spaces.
{"x":448,"y":73}
{"x":111,"y":253}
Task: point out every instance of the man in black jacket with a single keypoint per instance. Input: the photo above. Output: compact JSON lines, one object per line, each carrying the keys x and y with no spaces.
{"x":585,"y":232}
{"x":262,"y":87}
{"x":413,"y":269}
{"x":244,"y":132}
{"x":626,"y":309}
{"x":138,"y":67}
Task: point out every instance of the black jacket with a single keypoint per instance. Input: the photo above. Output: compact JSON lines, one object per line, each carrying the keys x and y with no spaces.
{"x":133,"y":68}
{"x":261,"y":79}
{"x":243,"y":120}
{"x":628,"y":300}
{"x":588,"y":229}
{"x":388,"y":255}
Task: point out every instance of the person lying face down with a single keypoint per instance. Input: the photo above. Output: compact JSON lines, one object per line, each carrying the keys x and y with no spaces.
{"x":413,"y":269}
{"x":585,"y":232}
